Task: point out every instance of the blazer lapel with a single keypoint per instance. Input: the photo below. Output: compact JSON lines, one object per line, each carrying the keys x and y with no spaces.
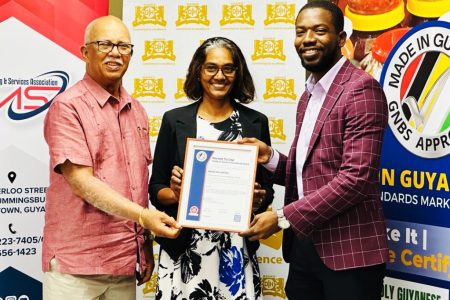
{"x":335,"y":91}
{"x":301,"y":109}
{"x":186,"y":127}
{"x":291,"y":179}
{"x":250,"y":122}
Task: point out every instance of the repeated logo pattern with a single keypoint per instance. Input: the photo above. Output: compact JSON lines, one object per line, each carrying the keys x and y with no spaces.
{"x":149,"y":14}
{"x":192,"y":13}
{"x":280,"y":87}
{"x":148,"y":87}
{"x":268,"y":48}
{"x":180,"y":92}
{"x":280,"y":13}
{"x":237,"y":13}
{"x":158,"y":48}
{"x":165,"y":49}
{"x":276,"y":127}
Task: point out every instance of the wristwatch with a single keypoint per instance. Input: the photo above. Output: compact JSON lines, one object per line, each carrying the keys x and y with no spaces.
{"x":283,"y":223}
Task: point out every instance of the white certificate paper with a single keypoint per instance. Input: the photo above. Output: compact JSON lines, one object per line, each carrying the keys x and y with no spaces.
{"x":218,"y":183}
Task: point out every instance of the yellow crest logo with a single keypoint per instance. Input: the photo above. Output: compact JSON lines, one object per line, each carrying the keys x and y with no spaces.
{"x":280,"y":87}
{"x":237,"y":13}
{"x":149,"y":14}
{"x":180,"y":91}
{"x":154,"y":124}
{"x":273,"y":286}
{"x":268,"y":48}
{"x":276,"y":129}
{"x":148,"y":87}
{"x":192,"y":13}
{"x":150,"y":286}
{"x":158,"y":48}
{"x":280,"y":12}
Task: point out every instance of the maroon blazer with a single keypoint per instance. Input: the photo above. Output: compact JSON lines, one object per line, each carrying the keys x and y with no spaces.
{"x":341,"y":210}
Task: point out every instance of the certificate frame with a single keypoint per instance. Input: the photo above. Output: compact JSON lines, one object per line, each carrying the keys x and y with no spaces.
{"x":218,"y":185}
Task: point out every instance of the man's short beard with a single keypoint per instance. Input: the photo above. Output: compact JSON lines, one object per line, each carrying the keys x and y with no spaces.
{"x":324,"y":64}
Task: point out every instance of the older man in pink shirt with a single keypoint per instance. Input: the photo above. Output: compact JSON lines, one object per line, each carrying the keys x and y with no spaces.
{"x":96,"y":207}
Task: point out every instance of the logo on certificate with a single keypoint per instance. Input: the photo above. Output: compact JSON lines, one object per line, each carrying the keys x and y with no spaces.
{"x":193,"y":211}
{"x":201,"y":156}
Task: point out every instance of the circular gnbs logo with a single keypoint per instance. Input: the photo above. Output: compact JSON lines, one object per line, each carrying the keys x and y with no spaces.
{"x":416,"y":80}
{"x":201,"y":156}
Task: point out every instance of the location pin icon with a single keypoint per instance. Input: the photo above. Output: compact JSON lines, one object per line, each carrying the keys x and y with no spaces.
{"x":12,"y":176}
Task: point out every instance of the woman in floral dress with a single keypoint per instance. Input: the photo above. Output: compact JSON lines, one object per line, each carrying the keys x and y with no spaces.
{"x":206,"y":264}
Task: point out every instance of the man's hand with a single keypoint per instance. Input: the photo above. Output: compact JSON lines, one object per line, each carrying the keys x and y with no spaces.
{"x":160,"y":223}
{"x":149,"y":265}
{"x":264,"y":153}
{"x":263,"y":225}
{"x":175,"y":181}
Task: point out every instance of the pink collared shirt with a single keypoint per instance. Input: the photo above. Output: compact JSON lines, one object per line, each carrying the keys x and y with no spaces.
{"x":89,"y":127}
{"x":317,"y":91}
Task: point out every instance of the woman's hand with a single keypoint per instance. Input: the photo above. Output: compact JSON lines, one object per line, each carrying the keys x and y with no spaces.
{"x":176,"y":180}
{"x":258,"y":196}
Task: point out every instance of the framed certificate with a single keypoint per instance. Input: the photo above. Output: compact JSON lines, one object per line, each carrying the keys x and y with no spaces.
{"x":218,"y":183}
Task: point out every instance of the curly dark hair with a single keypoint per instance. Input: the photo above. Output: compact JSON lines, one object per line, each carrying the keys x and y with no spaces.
{"x":243,"y":89}
{"x":336,"y":12}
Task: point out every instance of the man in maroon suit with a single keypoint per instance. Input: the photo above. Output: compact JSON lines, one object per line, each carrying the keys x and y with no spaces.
{"x":335,"y":236}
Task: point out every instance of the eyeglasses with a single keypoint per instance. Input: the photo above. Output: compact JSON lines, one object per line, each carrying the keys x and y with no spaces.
{"x":212,"y":70}
{"x":108,"y":46}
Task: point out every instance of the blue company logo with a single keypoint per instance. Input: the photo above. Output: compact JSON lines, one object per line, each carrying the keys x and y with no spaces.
{"x":30,"y":97}
{"x":20,"y":286}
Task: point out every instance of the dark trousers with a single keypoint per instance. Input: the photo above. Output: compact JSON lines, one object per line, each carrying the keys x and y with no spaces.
{"x":310,"y":279}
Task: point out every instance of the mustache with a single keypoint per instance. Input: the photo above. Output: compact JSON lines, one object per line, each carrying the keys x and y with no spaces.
{"x":115,"y":61}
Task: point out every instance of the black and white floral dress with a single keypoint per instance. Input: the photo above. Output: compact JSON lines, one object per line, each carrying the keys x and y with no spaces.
{"x":216,"y":265}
